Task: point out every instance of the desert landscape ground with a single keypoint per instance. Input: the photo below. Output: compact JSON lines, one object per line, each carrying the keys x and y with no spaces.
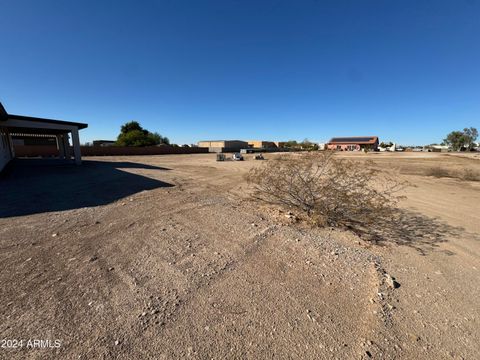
{"x":167,"y":257}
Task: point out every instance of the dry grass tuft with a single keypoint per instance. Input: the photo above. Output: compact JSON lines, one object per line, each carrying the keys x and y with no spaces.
{"x":465,"y":174}
{"x":438,"y":172}
{"x":471,"y":175}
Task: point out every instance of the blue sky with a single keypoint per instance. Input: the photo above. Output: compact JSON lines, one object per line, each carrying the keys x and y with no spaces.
{"x":408,"y":71}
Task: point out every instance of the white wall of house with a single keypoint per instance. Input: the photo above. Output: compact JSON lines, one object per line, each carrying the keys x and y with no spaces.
{"x":5,"y":152}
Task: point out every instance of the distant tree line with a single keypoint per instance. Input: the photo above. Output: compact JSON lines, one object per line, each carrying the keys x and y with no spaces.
{"x":304,"y":145}
{"x":386,"y":144}
{"x":462,"y":140}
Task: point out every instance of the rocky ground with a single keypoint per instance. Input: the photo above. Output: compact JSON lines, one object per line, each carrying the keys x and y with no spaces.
{"x":166,"y":257}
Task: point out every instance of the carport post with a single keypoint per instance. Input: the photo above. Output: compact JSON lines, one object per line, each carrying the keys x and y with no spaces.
{"x":61,"y":146}
{"x":76,"y":146}
{"x":66,"y":145}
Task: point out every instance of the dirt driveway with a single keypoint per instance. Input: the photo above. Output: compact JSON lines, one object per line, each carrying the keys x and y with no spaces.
{"x":165,"y":257}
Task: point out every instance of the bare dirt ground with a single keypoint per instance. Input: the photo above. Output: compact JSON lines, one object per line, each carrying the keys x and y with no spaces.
{"x":165,"y":257}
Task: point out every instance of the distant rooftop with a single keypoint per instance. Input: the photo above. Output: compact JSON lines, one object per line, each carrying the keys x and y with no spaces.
{"x":354,"y":140}
{"x":219,"y":140}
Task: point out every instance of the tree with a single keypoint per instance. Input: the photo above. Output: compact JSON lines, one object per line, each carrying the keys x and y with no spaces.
{"x":471,"y":134}
{"x":290,"y":144}
{"x":308,"y":145}
{"x":131,"y":126}
{"x":461,"y":139}
{"x":132,"y":134}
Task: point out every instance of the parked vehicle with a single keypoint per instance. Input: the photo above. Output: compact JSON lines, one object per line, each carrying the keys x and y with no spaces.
{"x":237,"y":157}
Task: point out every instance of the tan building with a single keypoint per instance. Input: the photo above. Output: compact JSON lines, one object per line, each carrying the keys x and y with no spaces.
{"x":223,"y":145}
{"x":260,"y":144}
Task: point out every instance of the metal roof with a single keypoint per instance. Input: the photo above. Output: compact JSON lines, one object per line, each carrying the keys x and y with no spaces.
{"x":354,"y":140}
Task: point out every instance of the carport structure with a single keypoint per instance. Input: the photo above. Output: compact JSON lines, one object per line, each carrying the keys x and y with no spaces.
{"x":27,"y":126}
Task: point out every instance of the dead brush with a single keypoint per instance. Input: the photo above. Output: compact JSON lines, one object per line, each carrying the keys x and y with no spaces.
{"x":466,"y":174}
{"x":438,"y":172}
{"x":470,"y":175}
{"x":329,"y":190}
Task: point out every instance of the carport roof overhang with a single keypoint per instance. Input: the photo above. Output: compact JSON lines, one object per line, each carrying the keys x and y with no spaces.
{"x":34,"y":125}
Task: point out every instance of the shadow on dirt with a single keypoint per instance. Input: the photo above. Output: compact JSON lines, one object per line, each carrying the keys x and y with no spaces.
{"x":413,"y":229}
{"x":31,"y":186}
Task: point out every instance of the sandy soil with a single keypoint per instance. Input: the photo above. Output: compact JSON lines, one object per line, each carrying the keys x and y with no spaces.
{"x":166,"y":257}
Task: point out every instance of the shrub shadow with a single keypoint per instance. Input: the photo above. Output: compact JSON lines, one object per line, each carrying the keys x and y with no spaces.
{"x":409,"y":228}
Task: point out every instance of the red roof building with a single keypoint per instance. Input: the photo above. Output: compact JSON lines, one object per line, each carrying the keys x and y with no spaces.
{"x":353,"y":143}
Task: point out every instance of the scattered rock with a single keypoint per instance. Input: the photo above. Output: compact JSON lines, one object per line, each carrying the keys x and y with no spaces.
{"x":111,"y":268}
{"x":117,"y":342}
{"x":93,"y":258}
{"x":54,"y":234}
{"x":391,"y":282}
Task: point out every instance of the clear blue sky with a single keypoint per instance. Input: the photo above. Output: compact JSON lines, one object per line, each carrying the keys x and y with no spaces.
{"x":408,"y":71}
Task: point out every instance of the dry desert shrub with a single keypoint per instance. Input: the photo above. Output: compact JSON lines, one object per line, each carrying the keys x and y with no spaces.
{"x":329,"y":190}
{"x":470,"y":175}
{"x":466,"y":174}
{"x":438,"y":172}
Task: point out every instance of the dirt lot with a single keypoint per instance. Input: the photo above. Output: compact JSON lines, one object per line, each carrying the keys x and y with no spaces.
{"x":165,"y":257}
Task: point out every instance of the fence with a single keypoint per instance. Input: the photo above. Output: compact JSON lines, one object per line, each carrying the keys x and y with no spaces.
{"x":147,"y":150}
{"x":52,"y":151}
{"x":36,"y":151}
